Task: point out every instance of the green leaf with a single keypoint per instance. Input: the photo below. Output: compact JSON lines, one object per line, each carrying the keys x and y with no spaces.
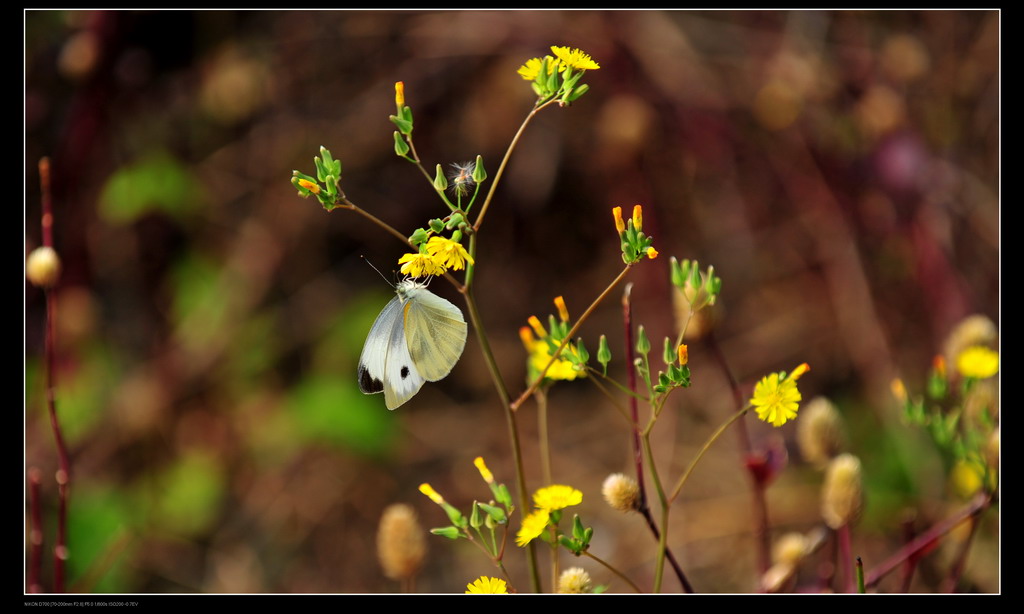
{"x":156,"y":183}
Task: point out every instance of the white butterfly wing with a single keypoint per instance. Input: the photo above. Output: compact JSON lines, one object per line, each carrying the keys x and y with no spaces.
{"x":435,"y":334}
{"x":375,"y":350}
{"x":401,"y":378}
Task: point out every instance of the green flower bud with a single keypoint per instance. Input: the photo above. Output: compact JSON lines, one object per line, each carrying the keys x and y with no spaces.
{"x":440,"y":181}
{"x":449,"y":532}
{"x":401,"y":147}
{"x":643,"y":344}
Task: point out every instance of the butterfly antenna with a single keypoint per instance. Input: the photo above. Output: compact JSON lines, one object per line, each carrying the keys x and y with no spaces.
{"x":376,"y":269}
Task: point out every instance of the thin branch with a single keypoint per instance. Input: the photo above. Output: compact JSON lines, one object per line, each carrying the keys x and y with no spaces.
{"x":759,"y":505}
{"x":613,"y":570}
{"x":60,"y":550}
{"x":926,"y":539}
{"x":504,"y":163}
{"x":35,"y":534}
{"x":554,"y":356}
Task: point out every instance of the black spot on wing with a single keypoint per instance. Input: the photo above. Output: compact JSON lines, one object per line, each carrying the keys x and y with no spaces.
{"x":368,"y":384}
{"x":405,"y":372}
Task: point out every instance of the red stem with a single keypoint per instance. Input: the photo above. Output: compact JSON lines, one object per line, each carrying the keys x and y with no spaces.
{"x":35,"y":534}
{"x":60,"y":551}
{"x":980,"y":503}
{"x":759,"y":507}
{"x":845,"y":557}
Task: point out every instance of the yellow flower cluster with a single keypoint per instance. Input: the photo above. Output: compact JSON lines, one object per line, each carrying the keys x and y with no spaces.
{"x":547,"y":500}
{"x":565,"y":57}
{"x":440,"y":255}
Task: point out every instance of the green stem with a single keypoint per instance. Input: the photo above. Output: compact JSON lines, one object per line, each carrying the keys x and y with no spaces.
{"x":510,"y":418}
{"x":614,"y":571}
{"x":659,"y":568}
{"x":554,"y":356}
{"x":704,"y":448}
{"x":542,"y":431}
{"x":504,"y":162}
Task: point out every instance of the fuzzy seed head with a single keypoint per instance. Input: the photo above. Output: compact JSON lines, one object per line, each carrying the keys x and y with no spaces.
{"x":43,"y":267}
{"x":790,"y":548}
{"x":820,"y":432}
{"x":621,"y":492}
{"x":574,"y":580}
{"x":400,"y":542}
{"x":842,"y":494}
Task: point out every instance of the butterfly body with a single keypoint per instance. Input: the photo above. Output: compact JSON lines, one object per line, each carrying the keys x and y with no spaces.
{"x":418,"y":337}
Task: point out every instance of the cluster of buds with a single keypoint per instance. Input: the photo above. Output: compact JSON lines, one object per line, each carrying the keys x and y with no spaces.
{"x":325,"y":185}
{"x":635,"y":244}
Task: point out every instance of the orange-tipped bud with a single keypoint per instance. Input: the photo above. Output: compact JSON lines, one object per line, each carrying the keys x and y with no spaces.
{"x":684,"y":354}
{"x":400,"y":93}
{"x":620,"y":226}
{"x":638,"y":217}
{"x":537,"y":327}
{"x":563,"y":311}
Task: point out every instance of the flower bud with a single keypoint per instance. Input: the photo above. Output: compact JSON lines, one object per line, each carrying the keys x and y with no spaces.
{"x":43,"y":267}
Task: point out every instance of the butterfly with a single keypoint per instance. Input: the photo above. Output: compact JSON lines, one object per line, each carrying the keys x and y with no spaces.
{"x":418,"y":337}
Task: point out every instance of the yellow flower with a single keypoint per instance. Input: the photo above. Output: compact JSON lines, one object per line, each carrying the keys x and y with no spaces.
{"x":563,"y":311}
{"x":428,"y":490}
{"x":449,"y":254}
{"x":533,"y":526}
{"x":652,"y":253}
{"x":620,"y":226}
{"x":575,"y":58}
{"x":638,"y":217}
{"x":684,"y":354}
{"x":556,"y":497}
{"x":540,"y":355}
{"x":399,"y":93}
{"x":485,"y":473}
{"x":420,"y":265}
{"x":309,"y":185}
{"x":777,"y":400}
{"x":531,"y":68}
{"x":978,"y":361}
{"x":486,"y":585}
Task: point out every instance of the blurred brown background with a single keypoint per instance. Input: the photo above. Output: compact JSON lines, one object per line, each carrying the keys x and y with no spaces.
{"x":839,"y":169}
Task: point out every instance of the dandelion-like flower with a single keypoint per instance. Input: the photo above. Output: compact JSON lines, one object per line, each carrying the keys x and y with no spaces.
{"x":400,"y":542}
{"x":556,"y":497}
{"x":449,"y":254}
{"x":540,"y":354}
{"x":486,"y":585}
{"x":533,"y":526}
{"x":978,"y":362}
{"x":420,"y":265}
{"x":575,"y":58}
{"x":621,"y":492}
{"x":531,"y":68}
{"x":777,"y":400}
{"x":574,"y":580}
